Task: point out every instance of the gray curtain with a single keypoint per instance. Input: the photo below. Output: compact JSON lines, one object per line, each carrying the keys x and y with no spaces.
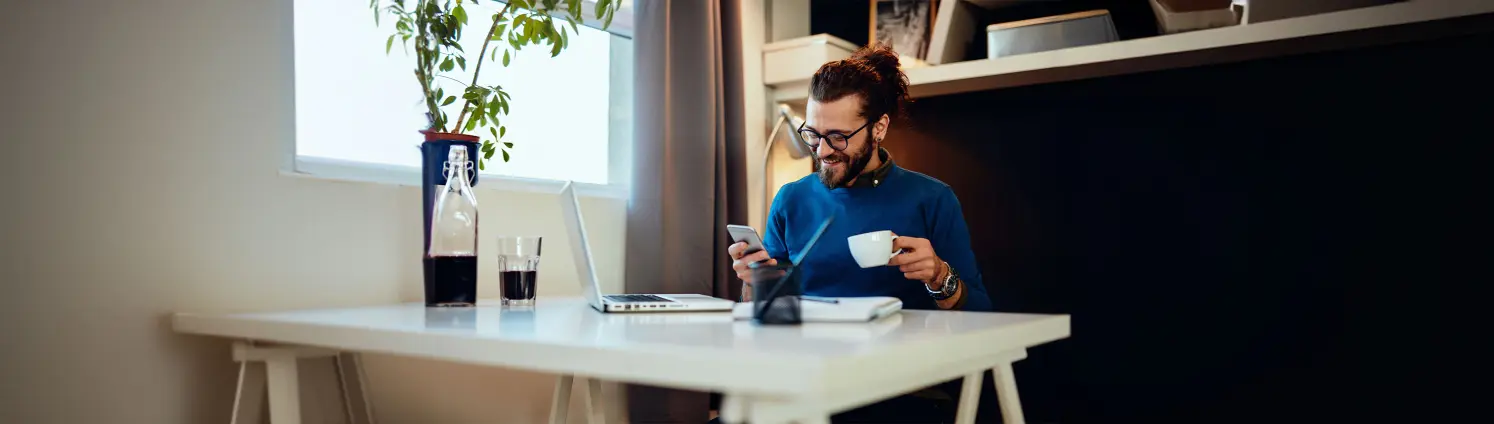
{"x":689,"y":178}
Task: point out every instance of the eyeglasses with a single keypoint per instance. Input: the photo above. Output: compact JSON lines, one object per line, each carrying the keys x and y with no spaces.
{"x":838,"y":141}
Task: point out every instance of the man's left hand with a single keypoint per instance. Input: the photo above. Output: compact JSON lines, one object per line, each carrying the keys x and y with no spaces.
{"x":918,"y":261}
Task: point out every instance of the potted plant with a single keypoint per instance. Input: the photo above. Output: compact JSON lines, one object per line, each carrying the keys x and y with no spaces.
{"x":435,"y":28}
{"x":432,"y":30}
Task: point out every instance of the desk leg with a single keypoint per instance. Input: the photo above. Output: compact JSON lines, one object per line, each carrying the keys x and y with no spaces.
{"x":1006,"y":391}
{"x":596,"y":407}
{"x":733,"y":408}
{"x":354,"y":384}
{"x":969,"y":398}
{"x":285,"y":390}
{"x":774,"y":411}
{"x":249,"y":399}
{"x":560,"y":404}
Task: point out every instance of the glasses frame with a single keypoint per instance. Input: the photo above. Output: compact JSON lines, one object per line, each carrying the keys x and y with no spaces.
{"x":808,"y":133}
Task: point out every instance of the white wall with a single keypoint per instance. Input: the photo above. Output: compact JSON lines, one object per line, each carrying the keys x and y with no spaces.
{"x":142,"y":147}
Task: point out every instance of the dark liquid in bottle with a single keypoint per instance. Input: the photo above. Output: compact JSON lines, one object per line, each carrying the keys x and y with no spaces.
{"x":452,"y":281}
{"x":519,"y":285}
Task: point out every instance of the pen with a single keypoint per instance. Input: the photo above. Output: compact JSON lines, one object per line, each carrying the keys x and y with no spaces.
{"x":820,"y":299}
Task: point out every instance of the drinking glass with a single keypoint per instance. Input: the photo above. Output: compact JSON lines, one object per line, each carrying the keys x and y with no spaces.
{"x":518,"y":263}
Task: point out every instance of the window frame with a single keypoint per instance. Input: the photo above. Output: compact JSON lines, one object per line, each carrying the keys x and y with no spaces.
{"x":619,"y":137}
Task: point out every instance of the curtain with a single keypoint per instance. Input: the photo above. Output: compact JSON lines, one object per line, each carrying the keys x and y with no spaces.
{"x":689,"y":177}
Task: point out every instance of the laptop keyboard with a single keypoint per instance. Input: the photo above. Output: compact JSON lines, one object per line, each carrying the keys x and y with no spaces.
{"x":636,"y":298}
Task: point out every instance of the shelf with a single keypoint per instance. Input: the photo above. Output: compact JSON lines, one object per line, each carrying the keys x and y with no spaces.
{"x":1377,"y":25}
{"x":993,"y":4}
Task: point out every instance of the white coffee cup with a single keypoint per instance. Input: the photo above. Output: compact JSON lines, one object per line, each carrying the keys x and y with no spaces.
{"x":872,"y":249}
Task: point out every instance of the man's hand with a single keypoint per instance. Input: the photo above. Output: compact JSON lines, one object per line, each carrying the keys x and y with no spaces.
{"x":740,"y":261}
{"x":918,"y":262}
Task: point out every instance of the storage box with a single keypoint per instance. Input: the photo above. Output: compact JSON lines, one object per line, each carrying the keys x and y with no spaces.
{"x":796,"y":59}
{"x":1174,"y":16}
{"x":1257,"y":11}
{"x":1049,"y":33}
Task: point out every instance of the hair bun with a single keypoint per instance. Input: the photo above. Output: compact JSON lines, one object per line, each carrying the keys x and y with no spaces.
{"x":880,"y":57}
{"x":871,"y":72}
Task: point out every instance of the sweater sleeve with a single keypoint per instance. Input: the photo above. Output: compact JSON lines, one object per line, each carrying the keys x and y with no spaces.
{"x":951,"y":241}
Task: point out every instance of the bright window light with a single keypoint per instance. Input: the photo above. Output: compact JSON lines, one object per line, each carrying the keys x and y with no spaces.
{"x":354,"y":103}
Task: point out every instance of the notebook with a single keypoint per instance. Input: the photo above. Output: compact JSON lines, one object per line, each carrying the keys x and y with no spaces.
{"x":843,"y":309}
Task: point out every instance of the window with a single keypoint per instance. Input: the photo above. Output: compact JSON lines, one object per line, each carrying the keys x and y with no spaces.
{"x":358,"y":109}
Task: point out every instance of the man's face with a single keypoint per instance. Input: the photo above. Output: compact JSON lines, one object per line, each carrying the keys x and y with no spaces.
{"x":838,"y":168}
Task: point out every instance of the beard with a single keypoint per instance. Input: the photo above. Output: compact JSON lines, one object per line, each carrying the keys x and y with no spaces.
{"x":854,"y":162}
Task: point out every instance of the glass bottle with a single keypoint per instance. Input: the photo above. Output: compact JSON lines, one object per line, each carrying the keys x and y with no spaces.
{"x":452,"y":257}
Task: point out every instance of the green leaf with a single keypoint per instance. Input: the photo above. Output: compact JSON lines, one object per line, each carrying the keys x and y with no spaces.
{"x":488,"y":154}
{"x":461,"y":14}
{"x":469,"y":125}
{"x":447,"y":65}
{"x":601,"y":7}
{"x":521,"y":4}
{"x":481,"y":165}
{"x":502,"y":131}
{"x":505,"y":156}
{"x":508,"y":145}
{"x":555,"y":49}
{"x":494,"y":131}
{"x":449,"y":100}
{"x":505,"y":58}
{"x":498,"y":33}
{"x":462,"y":62}
{"x":389,"y":45}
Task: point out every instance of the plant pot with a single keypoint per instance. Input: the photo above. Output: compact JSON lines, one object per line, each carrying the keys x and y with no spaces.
{"x":433,"y":153}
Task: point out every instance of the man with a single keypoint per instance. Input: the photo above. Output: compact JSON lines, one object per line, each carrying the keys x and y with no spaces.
{"x":851,"y":106}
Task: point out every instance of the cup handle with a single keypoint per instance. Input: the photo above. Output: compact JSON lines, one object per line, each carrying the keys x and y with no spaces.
{"x":895,"y":252}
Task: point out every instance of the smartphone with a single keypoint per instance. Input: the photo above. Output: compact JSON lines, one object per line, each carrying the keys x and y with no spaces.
{"x":747,"y":234}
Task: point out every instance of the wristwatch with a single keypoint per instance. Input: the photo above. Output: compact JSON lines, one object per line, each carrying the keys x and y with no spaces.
{"x":951,"y":285}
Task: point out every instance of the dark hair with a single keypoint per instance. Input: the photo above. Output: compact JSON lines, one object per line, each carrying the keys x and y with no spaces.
{"x":871,"y":72}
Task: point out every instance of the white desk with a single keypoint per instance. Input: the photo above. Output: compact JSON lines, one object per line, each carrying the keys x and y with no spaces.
{"x":767,"y":374}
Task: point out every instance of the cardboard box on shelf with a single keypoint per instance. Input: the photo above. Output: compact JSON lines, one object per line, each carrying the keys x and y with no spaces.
{"x":1174,"y":16}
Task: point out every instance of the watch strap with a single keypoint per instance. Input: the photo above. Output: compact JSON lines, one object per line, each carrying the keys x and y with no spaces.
{"x":950,"y":287}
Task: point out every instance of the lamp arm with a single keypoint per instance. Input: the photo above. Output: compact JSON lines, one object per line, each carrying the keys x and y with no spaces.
{"x":768,"y":146}
{"x":767,"y":151}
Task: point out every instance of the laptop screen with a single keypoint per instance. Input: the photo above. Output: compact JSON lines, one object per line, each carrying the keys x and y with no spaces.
{"x":570,"y":208}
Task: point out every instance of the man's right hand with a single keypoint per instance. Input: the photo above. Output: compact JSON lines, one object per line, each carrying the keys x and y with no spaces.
{"x":740,"y":262}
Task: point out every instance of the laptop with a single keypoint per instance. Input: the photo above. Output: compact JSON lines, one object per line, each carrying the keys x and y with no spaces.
{"x":570,"y":208}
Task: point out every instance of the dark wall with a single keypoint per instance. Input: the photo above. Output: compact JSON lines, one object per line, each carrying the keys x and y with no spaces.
{"x":1232,"y":241}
